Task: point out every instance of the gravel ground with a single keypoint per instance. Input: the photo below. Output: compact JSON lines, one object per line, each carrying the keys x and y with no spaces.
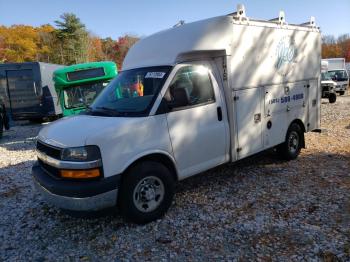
{"x":260,"y":209}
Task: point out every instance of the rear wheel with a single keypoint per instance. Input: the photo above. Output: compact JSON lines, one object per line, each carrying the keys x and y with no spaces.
{"x":341,"y":93}
{"x":332,"y":98}
{"x":291,"y":148}
{"x":146,"y":192}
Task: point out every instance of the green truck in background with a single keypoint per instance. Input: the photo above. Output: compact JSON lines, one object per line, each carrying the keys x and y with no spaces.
{"x":78,"y":85}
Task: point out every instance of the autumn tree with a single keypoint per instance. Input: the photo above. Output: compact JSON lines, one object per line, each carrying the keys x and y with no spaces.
{"x":108,"y":49}
{"x":122,"y":46}
{"x":95,"y":49}
{"x":68,"y":43}
{"x":19,"y":43}
{"x":333,"y":48}
{"x":46,"y":44}
{"x":344,"y":44}
{"x":2,"y":47}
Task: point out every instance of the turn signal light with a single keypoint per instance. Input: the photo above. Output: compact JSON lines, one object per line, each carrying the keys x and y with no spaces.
{"x":81,"y":174}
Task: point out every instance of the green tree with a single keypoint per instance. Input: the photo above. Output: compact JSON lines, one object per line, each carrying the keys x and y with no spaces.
{"x":72,"y":40}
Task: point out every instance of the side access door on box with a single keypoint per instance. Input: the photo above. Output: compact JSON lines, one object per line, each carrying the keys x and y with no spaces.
{"x":283,"y":104}
{"x":248,"y":119}
{"x":314,"y":101}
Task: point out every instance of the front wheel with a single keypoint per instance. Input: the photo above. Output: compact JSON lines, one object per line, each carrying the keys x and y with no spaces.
{"x":291,"y":148}
{"x":332,"y":98}
{"x":146,"y":192}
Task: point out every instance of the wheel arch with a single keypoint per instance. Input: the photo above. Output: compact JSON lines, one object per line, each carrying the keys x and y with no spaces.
{"x":159,"y":156}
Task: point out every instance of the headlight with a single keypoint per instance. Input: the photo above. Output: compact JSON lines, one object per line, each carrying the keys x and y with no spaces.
{"x":81,"y":154}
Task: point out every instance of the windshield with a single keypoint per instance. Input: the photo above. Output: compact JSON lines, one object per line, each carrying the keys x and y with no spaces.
{"x":325,"y":77}
{"x":338,"y":75}
{"x":132,"y":92}
{"x":82,"y":95}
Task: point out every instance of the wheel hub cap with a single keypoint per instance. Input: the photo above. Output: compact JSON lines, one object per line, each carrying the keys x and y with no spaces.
{"x":293,"y":142}
{"x":148,"y":194}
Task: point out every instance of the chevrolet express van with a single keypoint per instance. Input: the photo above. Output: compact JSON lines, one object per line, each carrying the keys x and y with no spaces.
{"x":188,"y":99}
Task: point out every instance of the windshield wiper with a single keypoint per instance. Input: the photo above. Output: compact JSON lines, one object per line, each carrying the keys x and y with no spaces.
{"x":75,"y":106}
{"x":111,"y":111}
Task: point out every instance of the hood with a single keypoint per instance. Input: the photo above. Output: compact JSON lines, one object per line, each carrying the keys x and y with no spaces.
{"x":329,"y":82}
{"x":76,"y":130}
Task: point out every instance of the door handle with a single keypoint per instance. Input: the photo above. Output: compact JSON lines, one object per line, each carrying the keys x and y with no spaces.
{"x":219,"y":113}
{"x":34,"y":87}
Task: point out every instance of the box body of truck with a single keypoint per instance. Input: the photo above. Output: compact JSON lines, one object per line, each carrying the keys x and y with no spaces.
{"x":203,"y":94}
{"x":269,"y":73}
{"x":28,"y":91}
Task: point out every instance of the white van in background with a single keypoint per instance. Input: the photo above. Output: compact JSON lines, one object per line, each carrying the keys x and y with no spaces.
{"x":189,"y":98}
{"x":338,"y":72}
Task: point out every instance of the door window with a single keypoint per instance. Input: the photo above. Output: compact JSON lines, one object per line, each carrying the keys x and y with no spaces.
{"x":192,"y":85}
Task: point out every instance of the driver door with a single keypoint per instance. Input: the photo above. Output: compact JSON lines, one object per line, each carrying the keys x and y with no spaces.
{"x":196,"y":123}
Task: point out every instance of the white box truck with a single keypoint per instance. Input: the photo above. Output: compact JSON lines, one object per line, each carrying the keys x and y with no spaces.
{"x":188,"y":99}
{"x":337,"y":71}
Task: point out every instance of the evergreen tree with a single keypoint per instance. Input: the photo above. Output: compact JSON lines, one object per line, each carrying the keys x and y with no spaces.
{"x":72,"y":38}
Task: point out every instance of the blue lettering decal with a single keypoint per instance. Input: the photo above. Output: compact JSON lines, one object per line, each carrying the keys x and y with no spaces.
{"x":285,"y":52}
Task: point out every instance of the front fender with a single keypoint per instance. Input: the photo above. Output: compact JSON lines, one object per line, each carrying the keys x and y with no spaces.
{"x":150,"y":153}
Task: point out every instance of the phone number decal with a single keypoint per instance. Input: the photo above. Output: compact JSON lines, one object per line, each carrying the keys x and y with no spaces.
{"x":286,"y":99}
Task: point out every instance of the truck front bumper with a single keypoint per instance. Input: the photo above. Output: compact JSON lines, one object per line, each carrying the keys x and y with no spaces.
{"x":341,"y":88}
{"x":76,"y":195}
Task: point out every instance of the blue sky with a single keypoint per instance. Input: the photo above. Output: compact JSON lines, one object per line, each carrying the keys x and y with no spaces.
{"x":143,"y":17}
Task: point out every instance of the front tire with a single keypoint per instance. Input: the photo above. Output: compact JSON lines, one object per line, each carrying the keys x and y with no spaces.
{"x":291,"y":148}
{"x":332,"y":98}
{"x":147,"y":191}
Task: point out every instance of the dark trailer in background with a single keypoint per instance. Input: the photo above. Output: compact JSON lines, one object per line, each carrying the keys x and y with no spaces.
{"x":28,"y":92}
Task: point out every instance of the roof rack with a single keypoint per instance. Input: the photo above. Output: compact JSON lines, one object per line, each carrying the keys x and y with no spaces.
{"x":240,"y":13}
{"x":311,"y":23}
{"x":180,"y":23}
{"x":281,"y":19}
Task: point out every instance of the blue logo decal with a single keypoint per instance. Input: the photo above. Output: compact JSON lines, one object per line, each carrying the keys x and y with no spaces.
{"x":285,"y":52}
